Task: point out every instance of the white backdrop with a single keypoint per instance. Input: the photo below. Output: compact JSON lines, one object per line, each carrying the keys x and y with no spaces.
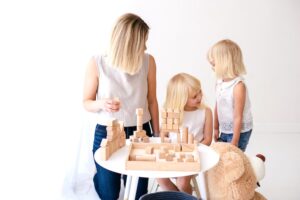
{"x":45,"y":45}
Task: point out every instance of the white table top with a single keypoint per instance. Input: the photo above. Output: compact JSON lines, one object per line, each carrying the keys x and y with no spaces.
{"x":116,"y":163}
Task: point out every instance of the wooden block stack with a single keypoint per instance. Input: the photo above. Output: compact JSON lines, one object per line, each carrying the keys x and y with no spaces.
{"x":115,"y":139}
{"x":139,"y":135}
{"x":170,"y":123}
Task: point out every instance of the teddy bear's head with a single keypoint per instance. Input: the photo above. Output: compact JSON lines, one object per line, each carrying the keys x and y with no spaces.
{"x":233,"y":177}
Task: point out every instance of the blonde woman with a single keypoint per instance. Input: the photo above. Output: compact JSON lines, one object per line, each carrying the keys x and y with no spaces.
{"x":232,"y":116}
{"x":184,"y":92}
{"x":116,"y":84}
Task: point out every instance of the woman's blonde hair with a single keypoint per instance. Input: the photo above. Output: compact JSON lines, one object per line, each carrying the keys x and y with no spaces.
{"x":227,"y":58}
{"x":128,"y":43}
{"x":179,"y":88}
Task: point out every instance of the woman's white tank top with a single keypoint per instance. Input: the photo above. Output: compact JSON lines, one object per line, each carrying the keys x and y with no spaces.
{"x":132,"y":91}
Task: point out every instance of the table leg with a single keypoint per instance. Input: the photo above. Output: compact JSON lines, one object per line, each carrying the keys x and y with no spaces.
{"x":127,"y":188}
{"x":133,"y":187}
{"x":202,"y":186}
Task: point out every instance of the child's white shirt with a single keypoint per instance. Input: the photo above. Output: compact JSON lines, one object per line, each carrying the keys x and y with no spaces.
{"x":225,"y":106}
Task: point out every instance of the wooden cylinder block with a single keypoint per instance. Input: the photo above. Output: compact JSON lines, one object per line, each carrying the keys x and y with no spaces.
{"x":145,"y":157}
{"x":184,"y":135}
{"x":191,"y":138}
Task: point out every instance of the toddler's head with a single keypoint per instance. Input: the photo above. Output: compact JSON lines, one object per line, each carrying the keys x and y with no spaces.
{"x":184,"y":93}
{"x":226,"y":59}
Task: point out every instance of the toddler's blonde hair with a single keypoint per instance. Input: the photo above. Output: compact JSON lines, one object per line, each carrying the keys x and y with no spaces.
{"x":227,"y":58}
{"x":128,"y":43}
{"x":179,"y":88}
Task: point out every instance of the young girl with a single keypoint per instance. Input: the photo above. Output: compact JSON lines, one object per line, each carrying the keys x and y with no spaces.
{"x":184,"y":92}
{"x":232,"y":116}
{"x":126,"y":72}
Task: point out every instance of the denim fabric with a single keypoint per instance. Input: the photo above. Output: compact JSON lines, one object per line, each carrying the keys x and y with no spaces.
{"x":107,"y":183}
{"x":243,"y":141}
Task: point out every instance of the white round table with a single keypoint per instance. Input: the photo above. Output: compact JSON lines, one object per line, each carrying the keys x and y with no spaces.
{"x":116,"y":163}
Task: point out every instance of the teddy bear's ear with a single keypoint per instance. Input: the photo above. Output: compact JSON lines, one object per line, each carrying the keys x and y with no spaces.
{"x":233,"y":166}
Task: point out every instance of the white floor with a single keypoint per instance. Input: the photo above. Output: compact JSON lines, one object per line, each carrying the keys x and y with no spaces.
{"x":282,"y":180}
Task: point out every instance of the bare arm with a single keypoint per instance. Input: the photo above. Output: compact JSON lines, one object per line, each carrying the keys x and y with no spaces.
{"x":208,"y":127}
{"x":239,"y":96}
{"x":90,"y":88}
{"x":216,"y":124}
{"x":152,"y":100}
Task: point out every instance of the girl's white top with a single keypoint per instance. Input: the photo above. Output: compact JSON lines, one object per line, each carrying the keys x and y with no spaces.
{"x":194,"y":121}
{"x":132,"y":91}
{"x":225,"y":106}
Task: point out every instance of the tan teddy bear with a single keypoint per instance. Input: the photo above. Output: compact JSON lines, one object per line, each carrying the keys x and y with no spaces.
{"x":233,"y":177}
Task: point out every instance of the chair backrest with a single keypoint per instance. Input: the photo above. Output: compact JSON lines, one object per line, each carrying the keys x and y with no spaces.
{"x":168,"y":195}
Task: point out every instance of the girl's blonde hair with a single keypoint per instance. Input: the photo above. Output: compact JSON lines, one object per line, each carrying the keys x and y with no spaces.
{"x":227,"y":58}
{"x":179,"y":88}
{"x":128,"y":43}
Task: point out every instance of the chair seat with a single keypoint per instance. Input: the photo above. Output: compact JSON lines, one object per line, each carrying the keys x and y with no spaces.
{"x":167,"y":195}
{"x":194,"y":183}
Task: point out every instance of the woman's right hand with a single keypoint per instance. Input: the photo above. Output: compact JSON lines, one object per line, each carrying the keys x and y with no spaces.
{"x":110,"y":105}
{"x":216,"y":134}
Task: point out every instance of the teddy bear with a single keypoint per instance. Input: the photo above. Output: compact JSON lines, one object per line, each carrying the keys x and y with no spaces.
{"x":233,"y":177}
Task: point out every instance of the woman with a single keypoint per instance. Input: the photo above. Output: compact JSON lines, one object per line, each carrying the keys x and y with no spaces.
{"x":115,"y":85}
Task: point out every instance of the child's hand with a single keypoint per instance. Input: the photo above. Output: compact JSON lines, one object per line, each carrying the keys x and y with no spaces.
{"x":216,"y":134}
{"x":110,"y":105}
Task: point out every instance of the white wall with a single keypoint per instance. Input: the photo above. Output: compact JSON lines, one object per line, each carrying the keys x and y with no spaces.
{"x":45,"y":45}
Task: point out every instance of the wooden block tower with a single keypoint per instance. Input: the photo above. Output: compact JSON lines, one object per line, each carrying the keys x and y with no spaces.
{"x":170,"y":123}
{"x":139,"y":135}
{"x":114,"y":140}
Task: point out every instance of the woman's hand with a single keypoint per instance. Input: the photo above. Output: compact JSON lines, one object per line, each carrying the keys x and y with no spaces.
{"x":110,"y":105}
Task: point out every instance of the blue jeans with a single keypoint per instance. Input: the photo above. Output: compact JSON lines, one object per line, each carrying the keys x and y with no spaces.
{"x":243,"y":141}
{"x":107,"y":183}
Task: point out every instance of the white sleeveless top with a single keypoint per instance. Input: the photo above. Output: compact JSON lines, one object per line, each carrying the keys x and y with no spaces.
{"x":195,"y":121}
{"x":132,"y":90}
{"x":225,"y":107}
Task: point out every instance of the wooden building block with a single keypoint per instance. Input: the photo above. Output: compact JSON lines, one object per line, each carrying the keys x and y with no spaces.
{"x":177,"y":147}
{"x":176,"y":121}
{"x":139,"y":128}
{"x":161,"y":155}
{"x":139,"y":111}
{"x":139,"y":121}
{"x":169,"y":126}
{"x":189,"y":159}
{"x":176,"y":115}
{"x":139,"y":134}
{"x":164,"y":114}
{"x":178,"y":138}
{"x":145,"y":157}
{"x":167,"y":140}
{"x":164,"y":126}
{"x":169,"y":110}
{"x":187,"y":148}
{"x":104,"y":153}
{"x":112,"y":122}
{"x":163,"y":149}
{"x":169,"y":121}
{"x":104,"y":142}
{"x":175,"y":126}
{"x":121,"y":125}
{"x":184,"y":135}
{"x":169,"y":157}
{"x":149,"y":150}
{"x":176,"y":110}
{"x":145,"y":139}
{"x":190,"y":138}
